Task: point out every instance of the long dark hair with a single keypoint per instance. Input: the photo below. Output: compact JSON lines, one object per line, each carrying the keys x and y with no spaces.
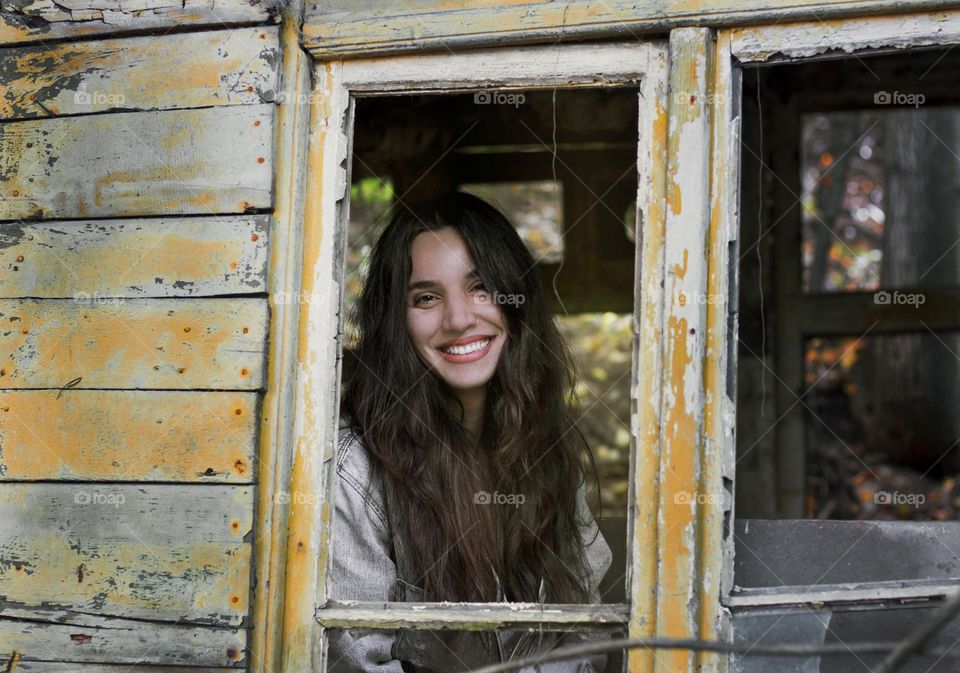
{"x":432,"y":472}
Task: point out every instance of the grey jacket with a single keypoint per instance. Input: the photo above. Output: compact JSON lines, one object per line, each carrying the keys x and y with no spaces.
{"x":363,"y":570}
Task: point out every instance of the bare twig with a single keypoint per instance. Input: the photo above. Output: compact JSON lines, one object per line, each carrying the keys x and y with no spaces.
{"x":697,"y":646}
{"x":912,"y":643}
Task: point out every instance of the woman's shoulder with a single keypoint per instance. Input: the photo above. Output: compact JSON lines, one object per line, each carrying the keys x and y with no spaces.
{"x":355,"y":469}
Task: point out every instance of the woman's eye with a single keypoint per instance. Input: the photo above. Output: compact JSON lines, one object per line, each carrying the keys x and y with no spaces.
{"x":479,"y":287}
{"x":424,"y":299}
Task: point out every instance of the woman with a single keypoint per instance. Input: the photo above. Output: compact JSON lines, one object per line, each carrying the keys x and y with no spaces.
{"x":459,"y":471}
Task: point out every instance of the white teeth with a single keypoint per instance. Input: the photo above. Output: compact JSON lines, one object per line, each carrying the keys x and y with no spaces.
{"x":469,"y":348}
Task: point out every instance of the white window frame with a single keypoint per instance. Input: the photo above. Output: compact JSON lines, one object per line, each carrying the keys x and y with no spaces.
{"x":640,"y":65}
{"x":804,"y":42}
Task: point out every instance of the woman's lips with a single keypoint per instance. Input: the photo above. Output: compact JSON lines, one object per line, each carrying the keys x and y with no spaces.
{"x":468,"y":357}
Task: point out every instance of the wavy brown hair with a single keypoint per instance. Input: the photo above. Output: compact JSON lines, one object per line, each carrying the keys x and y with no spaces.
{"x":403,"y":415}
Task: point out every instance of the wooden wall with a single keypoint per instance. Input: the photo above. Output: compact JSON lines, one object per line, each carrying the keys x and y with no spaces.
{"x":136,"y":190}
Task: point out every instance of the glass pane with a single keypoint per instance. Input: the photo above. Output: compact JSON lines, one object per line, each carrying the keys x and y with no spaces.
{"x":882,"y":427}
{"x":881,"y":207}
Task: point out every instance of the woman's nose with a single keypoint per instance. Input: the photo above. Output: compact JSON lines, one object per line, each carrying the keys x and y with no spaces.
{"x":459,"y":314}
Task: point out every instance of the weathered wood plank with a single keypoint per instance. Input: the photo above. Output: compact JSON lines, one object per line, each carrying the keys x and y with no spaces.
{"x":807,"y":39}
{"x":274,"y":457}
{"x":341,"y":28}
{"x":128,"y":436}
{"x":205,"y":161}
{"x":223,"y":67}
{"x":160,"y":257}
{"x":118,"y":641}
{"x":44,"y":20}
{"x":160,"y":552}
{"x":72,"y":667}
{"x":133,"y":343}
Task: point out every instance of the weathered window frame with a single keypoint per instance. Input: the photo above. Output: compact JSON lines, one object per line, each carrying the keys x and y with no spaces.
{"x":639,"y":65}
{"x":821,"y":40}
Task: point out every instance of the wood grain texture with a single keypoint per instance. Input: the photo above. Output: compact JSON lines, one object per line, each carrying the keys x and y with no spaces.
{"x":224,"y":67}
{"x":24,"y":21}
{"x":204,"y":161}
{"x":812,"y":38}
{"x":160,"y":552}
{"x":150,"y":257}
{"x":133,"y":343}
{"x":72,"y":667}
{"x":115,"y":641}
{"x":350,"y":29}
{"x":128,"y":436}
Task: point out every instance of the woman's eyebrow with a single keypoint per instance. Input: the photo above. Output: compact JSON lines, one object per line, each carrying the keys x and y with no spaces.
{"x":421,"y":284}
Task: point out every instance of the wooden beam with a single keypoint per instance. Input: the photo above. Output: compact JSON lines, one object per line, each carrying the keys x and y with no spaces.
{"x":275,"y":455}
{"x":348,"y":29}
{"x":472,"y":616}
{"x":833,"y":37}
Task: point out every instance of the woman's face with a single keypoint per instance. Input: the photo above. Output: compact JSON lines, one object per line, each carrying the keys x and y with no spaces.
{"x":455,"y":327}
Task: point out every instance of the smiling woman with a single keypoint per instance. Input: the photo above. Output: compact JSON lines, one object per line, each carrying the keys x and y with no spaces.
{"x":459,"y":470}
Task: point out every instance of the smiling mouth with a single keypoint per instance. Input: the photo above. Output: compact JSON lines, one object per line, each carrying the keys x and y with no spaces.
{"x":467,"y":349}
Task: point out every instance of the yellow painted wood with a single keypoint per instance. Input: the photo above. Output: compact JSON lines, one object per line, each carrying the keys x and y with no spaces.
{"x":162,"y":552}
{"x":348,"y":28}
{"x":22,"y":22}
{"x":127,"y":436}
{"x":274,"y":456}
{"x":646,"y":381}
{"x":147,"y":257}
{"x":222,"y":67}
{"x":118,"y":641}
{"x":204,"y":161}
{"x":679,"y":594}
{"x":133,"y":343}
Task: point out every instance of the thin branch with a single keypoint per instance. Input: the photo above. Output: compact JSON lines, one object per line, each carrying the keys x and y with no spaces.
{"x":695,"y":645}
{"x":921,"y":634}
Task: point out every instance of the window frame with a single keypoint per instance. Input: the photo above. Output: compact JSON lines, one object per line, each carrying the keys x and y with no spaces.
{"x":799,"y":43}
{"x":641,"y":65}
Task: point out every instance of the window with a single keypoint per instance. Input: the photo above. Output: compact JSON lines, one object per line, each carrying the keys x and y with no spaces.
{"x":847,"y":350}
{"x":352,"y":88}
